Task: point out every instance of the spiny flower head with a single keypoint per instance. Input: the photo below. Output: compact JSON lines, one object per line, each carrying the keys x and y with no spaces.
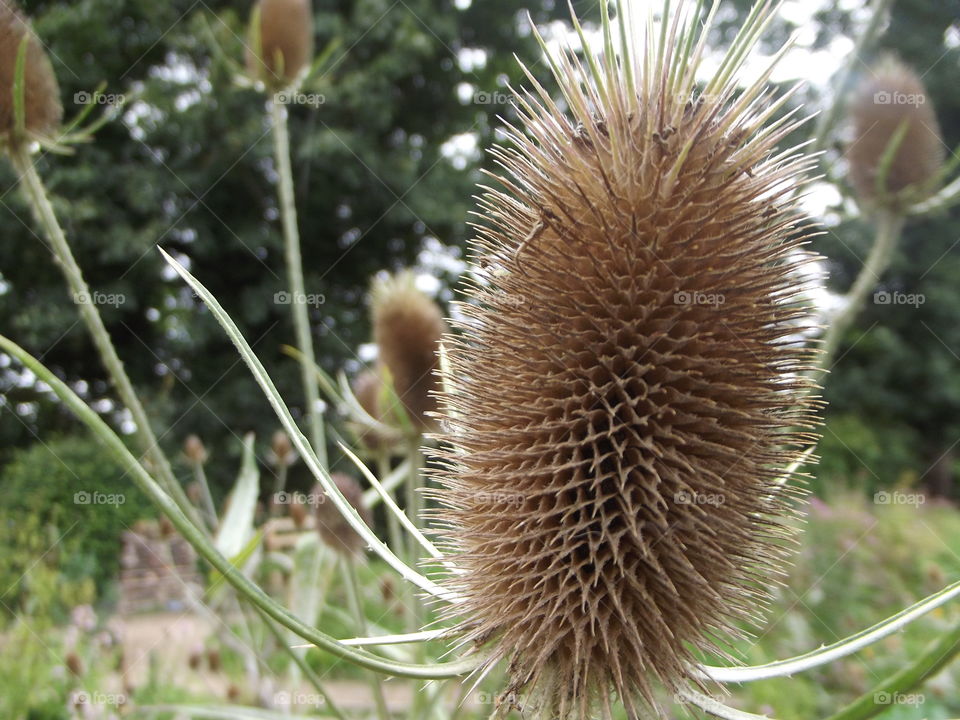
{"x":42,"y":111}
{"x":627,"y":385}
{"x":284,"y":38}
{"x":895,"y":130}
{"x":407,"y":327}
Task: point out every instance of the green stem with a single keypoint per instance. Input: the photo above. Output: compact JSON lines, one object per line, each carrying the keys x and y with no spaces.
{"x":889,"y":227}
{"x":304,"y":667}
{"x":298,"y":304}
{"x":352,"y":586}
{"x":414,"y":501}
{"x":43,"y":211}
{"x":896,"y":688}
{"x":208,"y":552}
{"x":393,"y":525}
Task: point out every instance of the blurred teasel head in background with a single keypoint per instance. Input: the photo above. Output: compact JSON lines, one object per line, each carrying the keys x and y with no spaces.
{"x":407,"y":328}
{"x":334,"y":530}
{"x":283,"y":37}
{"x":626,"y":390}
{"x":896,"y":152}
{"x":42,"y":111}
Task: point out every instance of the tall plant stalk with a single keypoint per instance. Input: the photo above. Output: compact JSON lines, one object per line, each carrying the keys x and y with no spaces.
{"x":354,"y":600}
{"x":298,"y":304}
{"x":44,"y":213}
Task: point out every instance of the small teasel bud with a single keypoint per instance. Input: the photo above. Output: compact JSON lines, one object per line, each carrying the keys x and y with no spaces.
{"x":298,"y":513}
{"x":74,"y":664}
{"x":282,"y":453}
{"x":194,"y":450}
{"x":194,"y":492}
{"x":892,"y":101}
{"x":408,"y":327}
{"x":213,"y":660}
{"x":334,"y":530}
{"x":43,"y":112}
{"x":368,"y":388}
{"x":285,"y":39}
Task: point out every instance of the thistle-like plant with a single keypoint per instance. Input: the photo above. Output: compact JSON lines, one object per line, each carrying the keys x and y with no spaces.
{"x":626,"y":389}
{"x":624,"y":408}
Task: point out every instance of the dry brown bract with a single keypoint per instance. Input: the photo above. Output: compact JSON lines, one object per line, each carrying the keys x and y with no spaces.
{"x":625,"y":391}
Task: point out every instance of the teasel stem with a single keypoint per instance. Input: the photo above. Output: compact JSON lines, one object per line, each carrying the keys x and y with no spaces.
{"x":415,"y":511}
{"x":828,"y":120}
{"x":937,"y":655}
{"x":209,"y":510}
{"x":352,"y":587}
{"x":393,"y":525}
{"x":888,"y":229}
{"x":205,"y":548}
{"x":298,"y":306}
{"x":328,"y":703}
{"x":44,"y":213}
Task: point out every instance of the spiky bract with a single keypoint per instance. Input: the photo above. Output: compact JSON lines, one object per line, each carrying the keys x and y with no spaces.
{"x":626,"y":388}
{"x":284,"y":39}
{"x":407,"y":327}
{"x":42,"y":111}
{"x":896,"y":151}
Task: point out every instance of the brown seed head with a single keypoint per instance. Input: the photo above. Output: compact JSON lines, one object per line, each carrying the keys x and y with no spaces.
{"x":625,"y":391}
{"x":286,"y":42}
{"x":891,"y":96}
{"x":43,"y":112}
{"x":334,"y":530}
{"x":194,"y":450}
{"x":407,"y":327}
{"x":281,"y":449}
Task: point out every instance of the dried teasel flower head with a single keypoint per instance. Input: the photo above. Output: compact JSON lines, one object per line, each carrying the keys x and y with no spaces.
{"x":284,"y":38}
{"x":334,"y":530}
{"x":369,"y":390}
{"x":407,"y":328}
{"x":627,"y":387}
{"x":281,"y":452}
{"x":194,"y":450}
{"x":42,"y":111}
{"x":896,"y":152}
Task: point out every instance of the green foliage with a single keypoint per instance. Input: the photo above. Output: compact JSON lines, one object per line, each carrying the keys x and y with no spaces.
{"x":857,"y":453}
{"x":63,"y":506}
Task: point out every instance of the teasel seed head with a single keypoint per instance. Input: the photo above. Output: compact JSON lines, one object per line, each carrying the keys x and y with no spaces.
{"x":368,"y":389}
{"x":891,"y":105}
{"x":281,"y":452}
{"x":43,"y":112}
{"x":334,"y":530}
{"x":285,"y":41}
{"x":194,"y":450}
{"x":627,"y":386}
{"x":407,"y":328}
